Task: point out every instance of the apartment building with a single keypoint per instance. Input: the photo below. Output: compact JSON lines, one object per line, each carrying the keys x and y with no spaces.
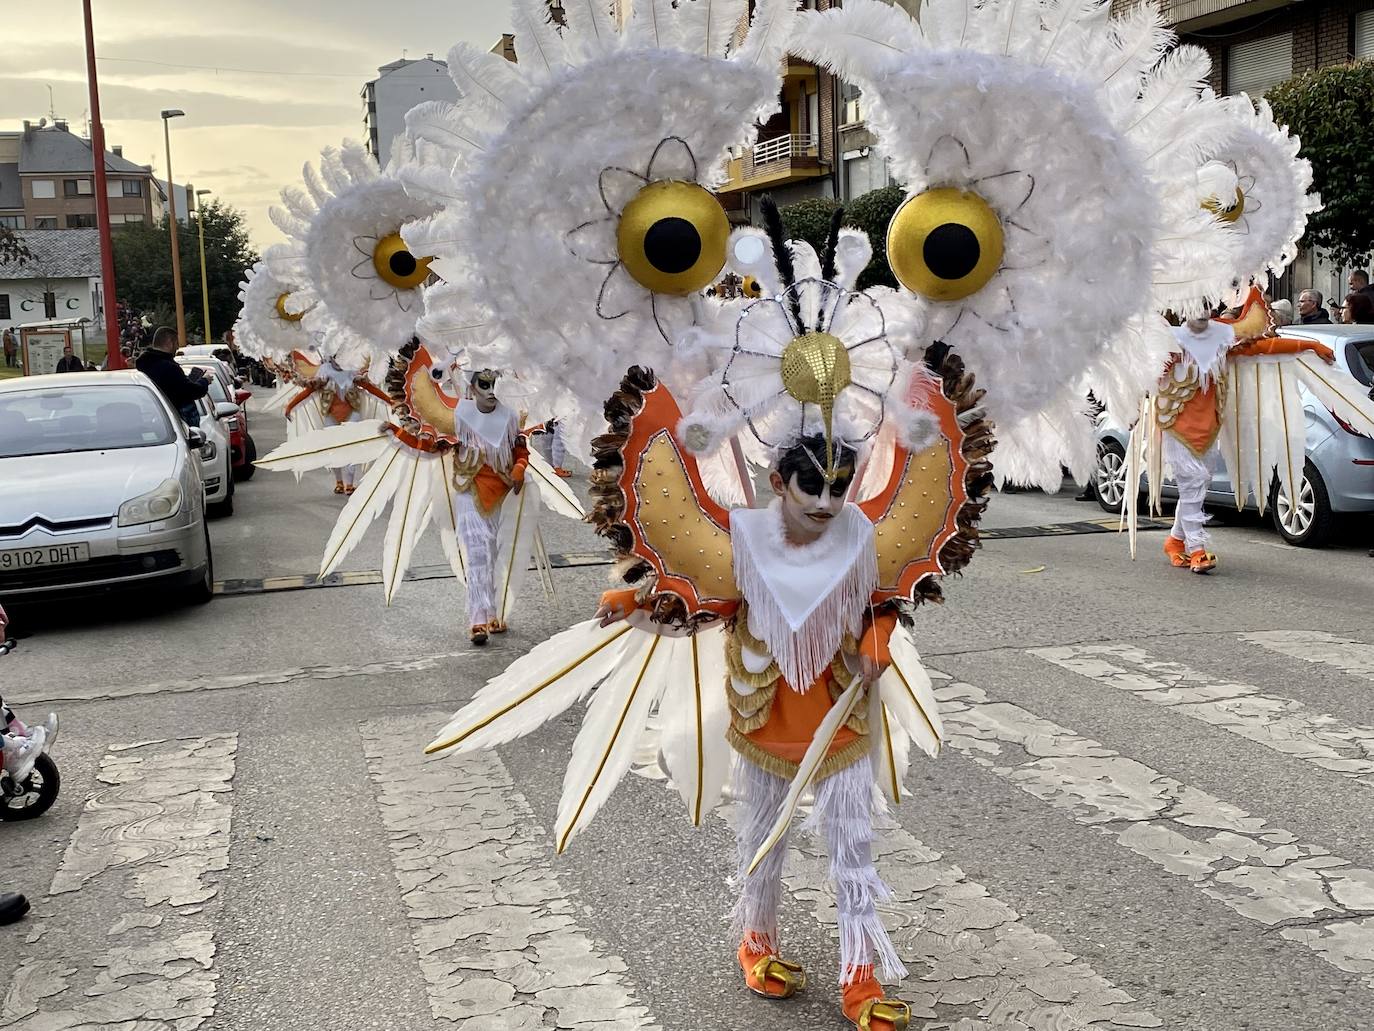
{"x":399,"y":86}
{"x":47,"y":181}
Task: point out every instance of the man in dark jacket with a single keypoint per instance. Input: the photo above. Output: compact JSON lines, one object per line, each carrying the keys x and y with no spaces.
{"x":1310,"y":310}
{"x":70,"y":362}
{"x":158,"y":363}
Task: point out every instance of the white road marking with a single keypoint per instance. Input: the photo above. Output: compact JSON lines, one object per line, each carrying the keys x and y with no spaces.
{"x":499,"y":946}
{"x":1353,"y":657}
{"x":144,"y":850}
{"x":1262,"y":872}
{"x":1276,"y":722}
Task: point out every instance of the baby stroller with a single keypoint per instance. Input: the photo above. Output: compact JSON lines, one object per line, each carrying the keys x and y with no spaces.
{"x":29,"y":779}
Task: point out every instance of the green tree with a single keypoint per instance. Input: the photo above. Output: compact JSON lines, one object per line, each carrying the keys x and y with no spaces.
{"x":872,"y":212}
{"x":1328,"y":109}
{"x":809,"y":220}
{"x":143,"y":267}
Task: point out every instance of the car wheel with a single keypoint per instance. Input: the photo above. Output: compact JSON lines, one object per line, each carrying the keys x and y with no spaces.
{"x":1109,"y":479}
{"x":203,"y":589}
{"x":223,"y":509}
{"x":1310,"y":522}
{"x":250,"y":455}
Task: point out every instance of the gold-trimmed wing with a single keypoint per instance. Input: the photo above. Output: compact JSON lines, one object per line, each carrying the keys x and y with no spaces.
{"x":651,"y":503}
{"x":926,"y":517}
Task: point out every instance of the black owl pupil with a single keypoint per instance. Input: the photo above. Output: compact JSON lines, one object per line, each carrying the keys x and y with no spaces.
{"x":403,"y":264}
{"x":672,"y":245}
{"x":951,"y":251}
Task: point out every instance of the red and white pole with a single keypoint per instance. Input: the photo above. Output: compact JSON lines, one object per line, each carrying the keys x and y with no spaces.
{"x":102,"y":204}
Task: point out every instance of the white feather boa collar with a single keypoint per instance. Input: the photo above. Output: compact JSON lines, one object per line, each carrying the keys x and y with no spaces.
{"x":803,"y":600}
{"x":492,"y":433}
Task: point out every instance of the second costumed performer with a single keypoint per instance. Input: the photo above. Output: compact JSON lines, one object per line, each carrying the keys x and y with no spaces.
{"x":490,"y":465}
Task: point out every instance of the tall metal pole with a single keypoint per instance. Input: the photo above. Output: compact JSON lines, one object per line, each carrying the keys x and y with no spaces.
{"x":176,"y":250}
{"x":113,"y":358}
{"x":204,"y":281}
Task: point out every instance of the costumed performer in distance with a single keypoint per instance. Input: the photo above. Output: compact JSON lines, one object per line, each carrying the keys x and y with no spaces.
{"x":341,"y":401}
{"x":490,"y":464}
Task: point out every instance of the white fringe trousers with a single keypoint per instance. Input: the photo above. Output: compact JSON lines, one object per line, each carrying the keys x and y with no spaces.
{"x":479,"y":534}
{"x":843,"y":810}
{"x":1192,"y":476}
{"x":345,"y":474}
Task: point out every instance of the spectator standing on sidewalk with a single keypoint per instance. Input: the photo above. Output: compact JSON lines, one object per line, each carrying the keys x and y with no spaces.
{"x":11,"y":346}
{"x":1310,"y":310}
{"x":158,"y":363}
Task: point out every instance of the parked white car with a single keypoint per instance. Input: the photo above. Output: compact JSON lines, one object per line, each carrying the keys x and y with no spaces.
{"x":100,"y":487}
{"x":215,"y":471}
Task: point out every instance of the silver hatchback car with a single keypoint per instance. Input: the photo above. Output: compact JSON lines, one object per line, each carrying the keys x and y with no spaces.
{"x":1339,"y":474}
{"x":100,"y":487}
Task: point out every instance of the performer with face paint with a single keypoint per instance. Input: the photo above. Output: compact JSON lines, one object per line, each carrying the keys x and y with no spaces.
{"x":490,"y":465}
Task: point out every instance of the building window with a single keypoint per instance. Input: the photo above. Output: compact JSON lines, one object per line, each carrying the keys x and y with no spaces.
{"x":45,"y":222}
{"x":12,"y":221}
{"x":1259,"y":65}
{"x":49,"y":305}
{"x":80,"y":221}
{"x":1364,"y":34}
{"x":133,"y":218}
{"x":133,"y":188}
{"x":43,"y":189}
{"x":5,"y":307}
{"x":76,"y":187}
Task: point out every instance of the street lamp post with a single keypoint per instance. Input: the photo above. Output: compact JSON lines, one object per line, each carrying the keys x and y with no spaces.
{"x":204,"y":282}
{"x":167,"y":117}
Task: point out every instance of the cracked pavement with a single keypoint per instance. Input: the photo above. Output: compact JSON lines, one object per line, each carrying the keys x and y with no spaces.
{"x":1151,"y":812}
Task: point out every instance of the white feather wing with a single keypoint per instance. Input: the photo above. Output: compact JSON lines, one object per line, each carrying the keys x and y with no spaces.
{"x":375,"y":490}
{"x":353,"y":443}
{"x":1341,"y":393}
{"x":535,"y":688}
{"x":694,"y":718}
{"x":410,"y":513}
{"x":907,"y":692}
{"x":554,"y":491}
{"x":615,"y":721}
{"x":444,"y":513}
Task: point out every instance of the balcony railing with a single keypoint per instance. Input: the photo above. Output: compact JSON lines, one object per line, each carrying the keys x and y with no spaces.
{"x":783,"y":148}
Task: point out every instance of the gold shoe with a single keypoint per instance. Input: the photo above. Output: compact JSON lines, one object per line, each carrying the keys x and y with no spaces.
{"x":893,"y":1011}
{"x":498,"y":626}
{"x":773,"y":968}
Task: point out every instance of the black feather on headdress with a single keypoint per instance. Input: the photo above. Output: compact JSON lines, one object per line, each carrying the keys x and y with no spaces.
{"x":832,"y":243}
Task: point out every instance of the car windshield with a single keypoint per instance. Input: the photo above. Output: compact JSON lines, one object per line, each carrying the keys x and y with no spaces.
{"x":81,"y":418}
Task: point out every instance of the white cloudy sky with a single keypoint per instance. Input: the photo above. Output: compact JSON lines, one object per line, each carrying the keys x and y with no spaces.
{"x":253,"y":114}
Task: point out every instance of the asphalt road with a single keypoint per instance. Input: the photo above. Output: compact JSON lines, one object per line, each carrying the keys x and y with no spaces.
{"x":1150,"y":811}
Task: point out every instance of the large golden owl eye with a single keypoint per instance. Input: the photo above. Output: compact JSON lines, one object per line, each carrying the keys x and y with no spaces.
{"x":285,"y":315}
{"x":751,"y":287}
{"x":944,"y":244}
{"x":672,"y":237}
{"x":1230,"y":214}
{"x":396,"y":265}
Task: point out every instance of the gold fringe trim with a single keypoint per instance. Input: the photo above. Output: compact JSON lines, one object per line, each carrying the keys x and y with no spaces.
{"x":735,"y":643}
{"x":841,"y":760}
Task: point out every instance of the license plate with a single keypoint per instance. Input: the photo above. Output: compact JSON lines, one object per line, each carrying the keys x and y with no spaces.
{"x":52,"y":555}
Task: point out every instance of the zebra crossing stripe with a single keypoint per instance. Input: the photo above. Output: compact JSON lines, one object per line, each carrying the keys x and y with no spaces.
{"x":965,"y":947}
{"x":494,"y":929}
{"x":143,"y":851}
{"x":1353,"y":657}
{"x":1263,"y":873}
{"x":1282,"y":724}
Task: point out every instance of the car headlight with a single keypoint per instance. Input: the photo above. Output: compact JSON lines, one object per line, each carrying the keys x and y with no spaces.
{"x":209,"y":451}
{"x":163,"y":502}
